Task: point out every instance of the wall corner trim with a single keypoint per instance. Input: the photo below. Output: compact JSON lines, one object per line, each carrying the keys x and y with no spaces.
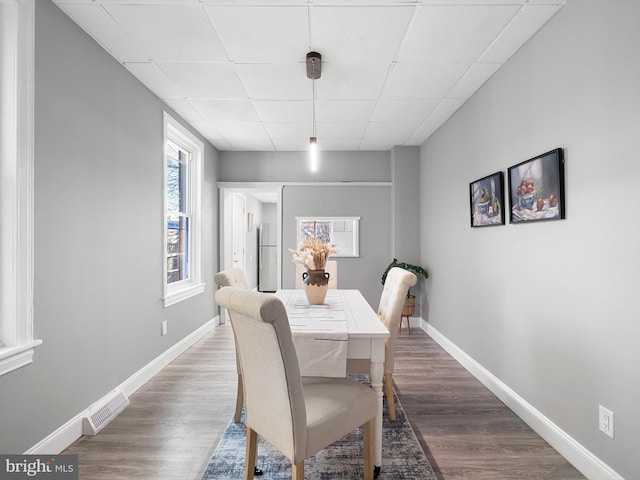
{"x":68,"y":433}
{"x":575,"y":453}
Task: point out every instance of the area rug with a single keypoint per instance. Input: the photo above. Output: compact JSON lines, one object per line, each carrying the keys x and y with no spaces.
{"x":402,"y":456}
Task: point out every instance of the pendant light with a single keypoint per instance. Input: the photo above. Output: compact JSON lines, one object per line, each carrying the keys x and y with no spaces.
{"x":314,"y":67}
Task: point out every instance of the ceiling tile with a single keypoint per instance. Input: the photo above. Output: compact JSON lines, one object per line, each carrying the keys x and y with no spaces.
{"x":226,"y":110}
{"x":289,"y":130}
{"x":424,"y":131}
{"x":473,"y":79}
{"x":169,"y":33}
{"x":343,"y":130}
{"x":205,"y":80}
{"x":150,"y":75}
{"x":245,"y":135}
{"x":291,"y":144}
{"x":106,"y":32}
{"x":207,"y":129}
{"x":445,"y":109}
{"x":404,"y":110}
{"x":270,"y":34}
{"x":390,"y":132}
{"x":186,"y":109}
{"x":418,"y":80}
{"x":523,"y":26}
{"x":358,"y":34}
{"x":341,"y":81}
{"x":344,"y":110}
{"x":453,"y":34}
{"x":337,"y":144}
{"x":283,"y":111}
{"x":275,"y":81}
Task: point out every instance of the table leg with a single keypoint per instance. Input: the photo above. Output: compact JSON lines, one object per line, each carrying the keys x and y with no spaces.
{"x":376,"y":375}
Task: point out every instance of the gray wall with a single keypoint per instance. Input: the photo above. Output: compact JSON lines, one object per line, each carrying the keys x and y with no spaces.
{"x":294,"y":167}
{"x":405,"y":174}
{"x":98,"y":235}
{"x":371,"y":204}
{"x":549,"y":308}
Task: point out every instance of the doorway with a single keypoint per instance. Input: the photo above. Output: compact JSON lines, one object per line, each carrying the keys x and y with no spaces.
{"x":243,"y":210}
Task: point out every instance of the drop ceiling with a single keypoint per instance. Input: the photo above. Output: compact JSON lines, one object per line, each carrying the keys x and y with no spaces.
{"x":392,"y":71}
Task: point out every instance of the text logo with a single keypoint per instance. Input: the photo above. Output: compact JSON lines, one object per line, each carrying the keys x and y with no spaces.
{"x":50,"y":467}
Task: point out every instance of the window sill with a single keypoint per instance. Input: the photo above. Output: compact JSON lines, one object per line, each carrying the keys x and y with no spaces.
{"x":12,"y":358}
{"x":177,"y":295}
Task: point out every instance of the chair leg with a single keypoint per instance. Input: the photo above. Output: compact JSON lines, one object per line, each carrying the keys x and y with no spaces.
{"x":250,"y":454}
{"x":388,"y":392}
{"x":368,"y":449}
{"x":239,"y":400}
{"x":297,"y":471}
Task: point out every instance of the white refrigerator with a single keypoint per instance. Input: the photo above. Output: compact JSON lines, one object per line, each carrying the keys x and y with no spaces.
{"x":267,"y":255}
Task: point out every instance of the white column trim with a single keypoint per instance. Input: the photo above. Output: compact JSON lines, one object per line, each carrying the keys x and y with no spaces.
{"x":17,"y":58}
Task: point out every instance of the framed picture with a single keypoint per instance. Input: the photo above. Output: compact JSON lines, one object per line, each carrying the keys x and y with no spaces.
{"x":487,"y":198}
{"x":249,"y":221}
{"x":536,"y":188}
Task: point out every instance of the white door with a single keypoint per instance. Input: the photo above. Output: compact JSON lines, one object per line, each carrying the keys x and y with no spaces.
{"x":239,"y":239}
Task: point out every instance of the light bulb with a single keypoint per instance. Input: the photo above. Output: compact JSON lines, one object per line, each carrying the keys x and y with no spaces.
{"x":313,"y":152}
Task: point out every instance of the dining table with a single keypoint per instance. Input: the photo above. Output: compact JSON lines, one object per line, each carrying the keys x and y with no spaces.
{"x":343,"y":328}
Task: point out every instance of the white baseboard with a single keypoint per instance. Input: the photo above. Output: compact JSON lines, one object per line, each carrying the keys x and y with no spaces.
{"x":586,"y":462}
{"x":68,"y":433}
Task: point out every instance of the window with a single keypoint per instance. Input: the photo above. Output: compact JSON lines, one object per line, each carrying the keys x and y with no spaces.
{"x":182,"y":219}
{"x":17,"y":19}
{"x":341,"y":231}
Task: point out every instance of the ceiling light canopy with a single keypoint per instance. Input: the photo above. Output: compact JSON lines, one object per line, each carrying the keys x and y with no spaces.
{"x":314,"y":65}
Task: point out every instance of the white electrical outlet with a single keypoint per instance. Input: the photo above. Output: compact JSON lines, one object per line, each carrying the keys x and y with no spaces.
{"x":164,"y":327}
{"x":606,"y":421}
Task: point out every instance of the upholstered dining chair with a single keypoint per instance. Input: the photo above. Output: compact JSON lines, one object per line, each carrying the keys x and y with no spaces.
{"x":392,"y":299}
{"x":298,"y":417}
{"x":234,"y":277}
{"x":331,"y":267}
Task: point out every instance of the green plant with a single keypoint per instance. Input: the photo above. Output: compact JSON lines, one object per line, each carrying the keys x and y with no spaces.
{"x":417,"y":269}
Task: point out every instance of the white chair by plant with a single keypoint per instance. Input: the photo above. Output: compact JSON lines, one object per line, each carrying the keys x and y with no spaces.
{"x":392,"y":299}
{"x":299,"y":418}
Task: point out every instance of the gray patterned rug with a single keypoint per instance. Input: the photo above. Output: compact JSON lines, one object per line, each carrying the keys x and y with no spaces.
{"x":403,"y":458}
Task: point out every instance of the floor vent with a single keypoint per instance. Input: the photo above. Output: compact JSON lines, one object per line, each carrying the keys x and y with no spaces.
{"x":95,"y":422}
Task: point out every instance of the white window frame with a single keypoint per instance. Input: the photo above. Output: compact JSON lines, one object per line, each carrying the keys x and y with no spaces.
{"x":17,"y":46}
{"x":178,"y":291}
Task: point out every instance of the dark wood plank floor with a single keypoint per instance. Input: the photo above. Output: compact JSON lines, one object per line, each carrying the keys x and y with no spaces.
{"x":175,"y":421}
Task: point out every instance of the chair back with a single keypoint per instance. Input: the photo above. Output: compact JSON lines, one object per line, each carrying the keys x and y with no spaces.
{"x":274,"y":399}
{"x":392,"y":300}
{"x":331,"y":267}
{"x":234,"y":277}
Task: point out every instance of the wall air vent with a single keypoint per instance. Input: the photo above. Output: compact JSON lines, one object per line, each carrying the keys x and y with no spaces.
{"x":99,"y":419}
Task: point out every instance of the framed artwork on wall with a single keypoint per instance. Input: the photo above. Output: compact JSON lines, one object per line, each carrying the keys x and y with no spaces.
{"x":486,"y":196}
{"x":536,"y":188}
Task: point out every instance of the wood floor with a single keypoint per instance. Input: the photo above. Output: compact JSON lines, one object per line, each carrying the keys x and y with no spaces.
{"x":174,"y":422}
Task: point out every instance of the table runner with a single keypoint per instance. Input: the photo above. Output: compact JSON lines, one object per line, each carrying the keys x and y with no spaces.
{"x":319,"y":334}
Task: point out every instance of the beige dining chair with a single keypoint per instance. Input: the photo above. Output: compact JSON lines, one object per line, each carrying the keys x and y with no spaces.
{"x":392,"y":299}
{"x":234,"y":277}
{"x":331,"y":267}
{"x":299,"y":418}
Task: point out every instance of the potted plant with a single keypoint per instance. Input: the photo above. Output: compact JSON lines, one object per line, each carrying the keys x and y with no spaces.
{"x":410,"y":302}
